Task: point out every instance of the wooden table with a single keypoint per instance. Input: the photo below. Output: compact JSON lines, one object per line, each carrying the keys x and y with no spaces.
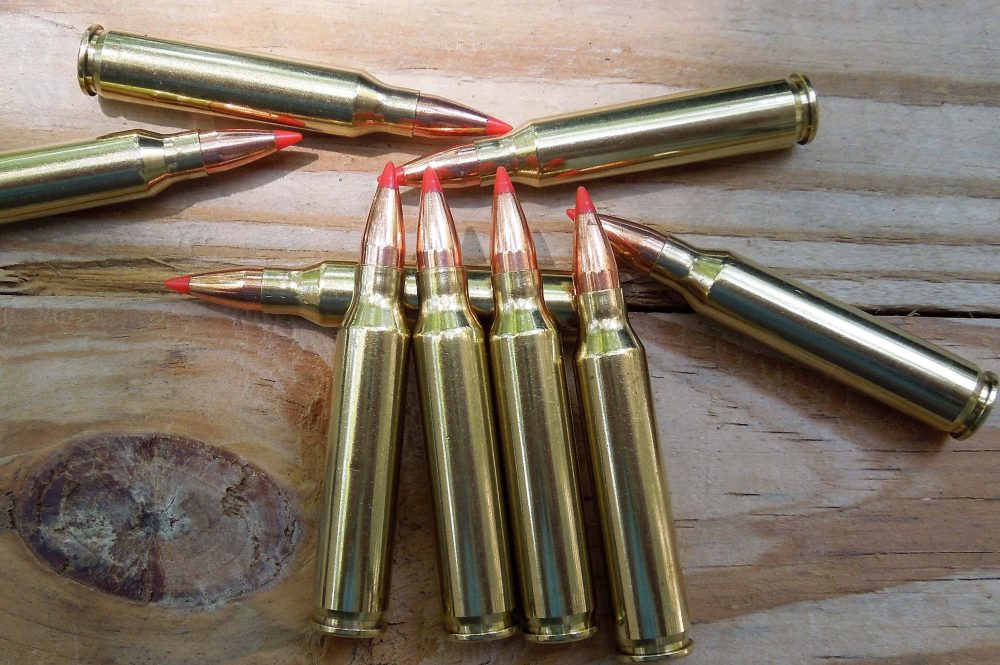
{"x":815,"y":525}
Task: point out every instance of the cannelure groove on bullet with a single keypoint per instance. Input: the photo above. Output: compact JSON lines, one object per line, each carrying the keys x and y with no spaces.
{"x":128,"y":165}
{"x":303,"y":96}
{"x":636,"y":136}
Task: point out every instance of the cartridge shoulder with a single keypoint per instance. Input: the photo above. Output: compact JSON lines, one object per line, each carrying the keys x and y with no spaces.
{"x":377,"y":313}
{"x":523,"y":321}
{"x":607,"y":337}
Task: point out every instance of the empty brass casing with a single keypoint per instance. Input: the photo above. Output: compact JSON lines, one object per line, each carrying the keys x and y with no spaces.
{"x":109,"y":169}
{"x":358,"y":510}
{"x":636,"y":136}
{"x":163,"y":72}
{"x":647,"y":587}
{"x":321,"y":293}
{"x":908,"y":373}
{"x":550,"y":544}
{"x":450,"y":351}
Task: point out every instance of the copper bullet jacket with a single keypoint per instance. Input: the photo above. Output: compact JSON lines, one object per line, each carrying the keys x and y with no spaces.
{"x":636,"y":136}
{"x":880,"y":360}
{"x":529,"y":384}
{"x":191,"y":77}
{"x":449,"y":347}
{"x":357,"y":514}
{"x":117,"y":167}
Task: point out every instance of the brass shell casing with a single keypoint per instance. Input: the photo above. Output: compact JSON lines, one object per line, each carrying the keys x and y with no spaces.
{"x":190,"y":77}
{"x":118,"y":167}
{"x":321,"y":293}
{"x":630,"y":483}
{"x":883,"y":361}
{"x":450,"y":351}
{"x":546,"y":513}
{"x":359,"y":496}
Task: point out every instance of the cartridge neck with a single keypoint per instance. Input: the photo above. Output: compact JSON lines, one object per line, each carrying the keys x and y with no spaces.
{"x":183,"y":156}
{"x":443,"y":288}
{"x":321,"y":293}
{"x":383,"y":108}
{"x":604,"y":326}
{"x":379,"y":283}
{"x":519,"y":304}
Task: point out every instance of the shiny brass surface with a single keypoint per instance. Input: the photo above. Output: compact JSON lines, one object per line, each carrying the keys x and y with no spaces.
{"x":550,"y":545}
{"x":321,"y":293}
{"x":636,"y":136}
{"x":910,"y":374}
{"x":450,"y":351}
{"x":163,"y":72}
{"x":109,"y":169}
{"x":647,"y":586}
{"x":358,"y":509}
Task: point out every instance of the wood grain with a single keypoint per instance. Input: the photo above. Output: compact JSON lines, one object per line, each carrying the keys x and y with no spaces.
{"x":815,"y":525}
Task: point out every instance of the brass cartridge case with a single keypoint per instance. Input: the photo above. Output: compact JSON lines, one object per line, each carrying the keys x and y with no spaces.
{"x":636,"y":136}
{"x":647,"y":586}
{"x":321,"y":293}
{"x":550,"y":545}
{"x":909,"y":374}
{"x":110,"y":169}
{"x":363,"y":449}
{"x":450,"y":351}
{"x":191,"y":77}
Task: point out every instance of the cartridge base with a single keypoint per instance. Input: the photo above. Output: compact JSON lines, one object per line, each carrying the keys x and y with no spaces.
{"x":480,"y":629}
{"x":349,"y":624}
{"x":650,"y":651}
{"x":979,"y":407}
{"x":561,"y":629}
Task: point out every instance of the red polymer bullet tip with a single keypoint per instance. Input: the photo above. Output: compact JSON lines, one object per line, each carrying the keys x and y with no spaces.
{"x":583,"y":202}
{"x":283,"y":139}
{"x":571,"y":213}
{"x":431,"y":182}
{"x":502,"y":184}
{"x":180,"y":284}
{"x":388,"y":177}
{"x":496,"y":127}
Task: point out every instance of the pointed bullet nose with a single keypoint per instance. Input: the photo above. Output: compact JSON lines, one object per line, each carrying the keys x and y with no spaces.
{"x":502,"y":184}
{"x":180,"y":284}
{"x":496,"y":127}
{"x":583,"y":202}
{"x":283,"y":139}
{"x":571,"y":213}
{"x":388,"y":177}
{"x":431,"y":182}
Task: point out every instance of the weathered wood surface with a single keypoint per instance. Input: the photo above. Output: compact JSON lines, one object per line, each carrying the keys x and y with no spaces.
{"x":815,"y":525}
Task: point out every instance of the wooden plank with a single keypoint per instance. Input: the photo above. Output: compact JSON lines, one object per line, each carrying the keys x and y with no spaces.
{"x":814,"y":524}
{"x":805,"y":511}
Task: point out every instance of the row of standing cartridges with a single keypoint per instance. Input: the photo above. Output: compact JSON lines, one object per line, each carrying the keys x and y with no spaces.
{"x":521,"y":495}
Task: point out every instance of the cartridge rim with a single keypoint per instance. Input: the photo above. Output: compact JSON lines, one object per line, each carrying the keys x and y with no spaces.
{"x":654,"y":652}
{"x":808,"y":123}
{"x":85,"y":64}
{"x":481,"y":629}
{"x":564,"y":629}
{"x":349,"y":624}
{"x":979,"y":408}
